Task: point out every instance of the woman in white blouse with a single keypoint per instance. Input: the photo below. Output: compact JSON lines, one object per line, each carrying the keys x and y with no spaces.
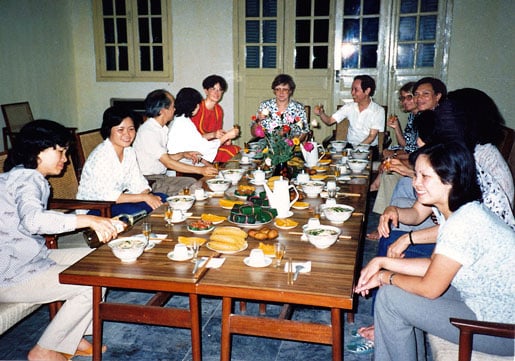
{"x":183,"y":134}
{"x":111,"y":172}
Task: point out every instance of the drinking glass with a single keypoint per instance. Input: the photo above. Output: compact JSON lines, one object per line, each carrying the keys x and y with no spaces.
{"x":168,"y":216}
{"x":331,"y":189}
{"x":195,"y":246}
{"x":146,"y":228}
{"x":279,"y":251}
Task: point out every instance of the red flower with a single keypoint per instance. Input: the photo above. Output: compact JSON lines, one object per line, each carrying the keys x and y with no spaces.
{"x":308,"y":146}
{"x":254,"y":118}
{"x":286,"y":128}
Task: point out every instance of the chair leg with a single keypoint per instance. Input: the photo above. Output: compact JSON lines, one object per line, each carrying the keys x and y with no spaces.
{"x":243,"y":306}
{"x":350,"y":317}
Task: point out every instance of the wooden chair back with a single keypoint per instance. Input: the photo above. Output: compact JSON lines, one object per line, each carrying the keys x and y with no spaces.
{"x":86,"y":142}
{"x":507,"y":148}
{"x":16,"y":115}
{"x":66,"y":185}
{"x":307,"y":109}
{"x":3,"y":157}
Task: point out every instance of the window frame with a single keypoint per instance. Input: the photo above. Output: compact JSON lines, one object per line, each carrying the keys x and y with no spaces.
{"x":134,"y":72}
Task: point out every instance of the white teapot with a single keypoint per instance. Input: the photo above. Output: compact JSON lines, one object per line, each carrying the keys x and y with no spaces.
{"x":311,"y":158}
{"x":279,"y":198}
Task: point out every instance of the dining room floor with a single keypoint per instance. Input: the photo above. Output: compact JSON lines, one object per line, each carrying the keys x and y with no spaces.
{"x":128,"y":341}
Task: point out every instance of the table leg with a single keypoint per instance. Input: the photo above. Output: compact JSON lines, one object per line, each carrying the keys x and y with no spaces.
{"x":336,"y":325}
{"x":97,"y":324}
{"x":226,"y":329}
{"x":196,"y":344}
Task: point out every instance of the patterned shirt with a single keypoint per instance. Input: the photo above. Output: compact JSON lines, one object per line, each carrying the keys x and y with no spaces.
{"x":294,"y":116}
{"x":485,"y":247}
{"x":23,"y":218}
{"x":410,"y":135}
{"x":124,"y":176}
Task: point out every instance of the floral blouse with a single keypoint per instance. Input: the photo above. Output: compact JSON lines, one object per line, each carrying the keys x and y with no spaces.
{"x":410,"y":135}
{"x":294,"y":116}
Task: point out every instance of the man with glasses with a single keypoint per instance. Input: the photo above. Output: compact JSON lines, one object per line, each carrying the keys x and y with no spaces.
{"x":366,"y":117}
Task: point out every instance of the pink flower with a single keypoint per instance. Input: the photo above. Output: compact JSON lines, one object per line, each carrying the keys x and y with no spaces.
{"x":289,"y":142}
{"x":259,"y":131}
{"x":290,"y":119}
{"x":308,"y":146}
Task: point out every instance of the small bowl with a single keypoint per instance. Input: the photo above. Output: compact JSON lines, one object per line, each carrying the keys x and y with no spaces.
{"x":182,"y":203}
{"x":359,"y":154}
{"x":362,"y":147}
{"x":338,"y":213}
{"x":127,"y":249}
{"x":234,"y":175}
{"x":339,"y":145}
{"x":357,"y":165}
{"x":218,"y":185}
{"x":313,"y":187}
{"x":322,"y":236}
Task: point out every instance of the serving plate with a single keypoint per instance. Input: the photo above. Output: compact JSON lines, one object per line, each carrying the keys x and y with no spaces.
{"x":243,"y":248}
{"x":201,"y":231}
{"x":268,"y":262}
{"x":249,"y":225}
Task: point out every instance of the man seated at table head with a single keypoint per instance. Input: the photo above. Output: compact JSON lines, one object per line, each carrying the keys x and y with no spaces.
{"x":150,"y":146}
{"x":366,"y":117}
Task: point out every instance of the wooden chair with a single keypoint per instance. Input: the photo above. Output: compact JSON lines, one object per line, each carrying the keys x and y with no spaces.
{"x":16,"y":115}
{"x":86,"y":142}
{"x":507,"y":148}
{"x":447,"y":351}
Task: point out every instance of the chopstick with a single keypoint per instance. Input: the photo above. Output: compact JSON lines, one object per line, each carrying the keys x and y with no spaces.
{"x":159,"y":215}
{"x":290,"y":269}
{"x":204,"y":266}
{"x":344,"y":194}
{"x":300,"y":234}
{"x":161,"y":239}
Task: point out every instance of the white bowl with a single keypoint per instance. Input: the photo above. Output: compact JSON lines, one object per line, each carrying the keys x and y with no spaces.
{"x":357,"y":165}
{"x":313,"y":187}
{"x":322,"y":236}
{"x":339,"y":145}
{"x":338,"y":213}
{"x":218,"y":185}
{"x":127,"y":249}
{"x":182,"y":203}
{"x":360,"y":154}
{"x":362,"y":147}
{"x":234,"y":175}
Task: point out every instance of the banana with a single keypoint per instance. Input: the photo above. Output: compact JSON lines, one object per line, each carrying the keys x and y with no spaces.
{"x":222,"y":246}
{"x":228,"y":239}
{"x":232,"y":231}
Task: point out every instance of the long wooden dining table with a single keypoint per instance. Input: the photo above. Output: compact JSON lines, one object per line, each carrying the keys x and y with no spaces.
{"x":329,"y":283}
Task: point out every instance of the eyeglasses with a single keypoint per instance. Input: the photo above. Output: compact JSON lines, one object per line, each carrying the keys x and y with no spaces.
{"x":282,"y":90}
{"x":407,"y":97}
{"x":426,"y":94}
{"x":215,"y":89}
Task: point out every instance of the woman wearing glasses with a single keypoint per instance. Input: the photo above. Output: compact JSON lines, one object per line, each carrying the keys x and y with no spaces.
{"x":282,"y":110}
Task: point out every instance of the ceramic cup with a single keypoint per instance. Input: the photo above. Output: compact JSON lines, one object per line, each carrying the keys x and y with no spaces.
{"x":257,"y":257}
{"x":200,"y":194}
{"x":245,"y":159}
{"x":259,"y":176}
{"x":180,"y":251}
{"x":177,"y":215}
{"x":303,"y":177}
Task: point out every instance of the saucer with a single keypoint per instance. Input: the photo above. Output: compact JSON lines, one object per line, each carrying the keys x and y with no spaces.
{"x":300,"y":205}
{"x":268,"y":262}
{"x":252,"y":181}
{"x":290,"y":213}
{"x":245,"y":163}
{"x":171,"y":256}
{"x":203,"y":198}
{"x":182,"y":219}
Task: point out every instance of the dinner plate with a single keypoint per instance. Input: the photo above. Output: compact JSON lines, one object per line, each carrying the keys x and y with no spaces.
{"x":300,"y":205}
{"x":268,"y":262}
{"x":171,"y":256}
{"x":182,"y":219}
{"x":285,"y":227}
{"x":246,"y":163}
{"x":202,"y":231}
{"x":215,"y":222}
{"x":250,"y":225}
{"x":324,"y":161}
{"x":318,"y":177}
{"x":244,"y":247}
{"x":252,"y":181}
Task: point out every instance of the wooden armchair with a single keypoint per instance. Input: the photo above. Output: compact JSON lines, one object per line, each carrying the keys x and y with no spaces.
{"x":86,"y":142}
{"x":447,"y":351}
{"x":16,"y":115}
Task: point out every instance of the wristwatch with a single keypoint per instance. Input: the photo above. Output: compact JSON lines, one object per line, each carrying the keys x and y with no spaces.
{"x":395,"y":154}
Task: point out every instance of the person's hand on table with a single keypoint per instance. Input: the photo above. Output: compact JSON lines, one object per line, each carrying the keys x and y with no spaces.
{"x":209,"y":171}
{"x":195,"y":157}
{"x":152,"y":200}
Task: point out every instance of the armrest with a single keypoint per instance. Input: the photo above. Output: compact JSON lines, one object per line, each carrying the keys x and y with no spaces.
{"x":470,"y":327}
{"x":103,"y":206}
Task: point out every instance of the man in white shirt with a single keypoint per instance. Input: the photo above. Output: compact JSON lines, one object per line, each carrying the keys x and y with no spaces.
{"x":366,"y":118}
{"x":150,"y":146}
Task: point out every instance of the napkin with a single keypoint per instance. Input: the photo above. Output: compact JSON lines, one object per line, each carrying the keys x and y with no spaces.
{"x":157,"y":237}
{"x":213,"y":263}
{"x":306,"y":269}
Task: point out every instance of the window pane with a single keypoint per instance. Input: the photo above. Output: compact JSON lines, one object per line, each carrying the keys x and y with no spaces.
{"x":425,"y":55}
{"x":351,"y":30}
{"x":429,"y":5}
{"x":406,"y":56}
{"x":370,"y":29}
{"x":303,"y":8}
{"x":107,"y":7}
{"x":155,"y":7}
{"x":269,"y":31}
{"x":269,"y":57}
{"x":321,"y":32}
{"x":252,"y":57}
{"x":369,"y":56}
{"x":120,"y":7}
{"x":108,"y":31}
{"x":302,"y":31}
{"x":351,"y":61}
{"x":321,"y":7}
{"x":252,"y":8}
{"x":269,"y":7}
{"x":407,"y":26}
{"x":142,"y":7}
{"x":158,"y":58}
{"x":121,"y":33}
{"x":144,"y":53}
{"x":157,"y":30}
{"x":427,"y":28}
{"x":370,"y":7}
{"x":409,"y":6}
{"x":110,"y":58}
{"x":302,"y":57}
{"x":123,"y":58}
{"x":252,"y":31}
{"x":144,"y":35}
{"x":351,"y":7}
{"x":321,"y":59}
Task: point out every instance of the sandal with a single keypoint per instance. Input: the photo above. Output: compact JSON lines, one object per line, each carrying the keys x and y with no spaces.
{"x":361,"y":348}
{"x":88,"y":352}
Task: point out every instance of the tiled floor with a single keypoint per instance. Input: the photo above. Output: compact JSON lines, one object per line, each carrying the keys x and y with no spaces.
{"x":142,"y":342}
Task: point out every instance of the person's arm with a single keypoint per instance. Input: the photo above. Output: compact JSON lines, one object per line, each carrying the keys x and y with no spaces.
{"x":104,"y":227}
{"x":371,"y":136}
{"x":393,"y":122}
{"x":171,"y":163}
{"x":401,"y":166}
{"x":323,"y":116}
{"x":152,"y":200}
{"x":413,"y":216}
{"x":422,"y":236}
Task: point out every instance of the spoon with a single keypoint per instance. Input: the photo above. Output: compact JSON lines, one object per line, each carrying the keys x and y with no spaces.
{"x":298,"y":268}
